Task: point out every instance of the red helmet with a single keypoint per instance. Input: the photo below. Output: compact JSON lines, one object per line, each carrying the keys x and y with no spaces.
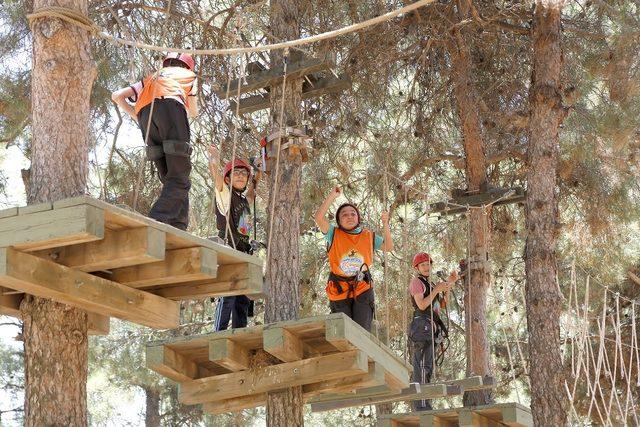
{"x":185,"y":58}
{"x":421,"y":257}
{"x":236,"y":164}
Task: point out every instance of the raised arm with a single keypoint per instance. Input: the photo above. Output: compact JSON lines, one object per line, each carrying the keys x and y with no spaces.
{"x":424,"y":302}
{"x":214,"y":167}
{"x":321,"y":214}
{"x":120,"y":98}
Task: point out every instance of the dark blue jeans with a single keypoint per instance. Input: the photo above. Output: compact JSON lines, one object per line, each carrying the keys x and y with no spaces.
{"x":235,"y":309}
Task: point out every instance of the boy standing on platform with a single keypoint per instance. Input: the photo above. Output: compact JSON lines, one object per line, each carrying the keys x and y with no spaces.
{"x":350,"y":248}
{"x":426,"y":327}
{"x":162,"y":103}
{"x":233,"y":219}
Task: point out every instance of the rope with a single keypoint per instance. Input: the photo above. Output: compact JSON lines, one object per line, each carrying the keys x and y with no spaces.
{"x":283,"y":127}
{"x":76,"y":18}
{"x":384,"y":255}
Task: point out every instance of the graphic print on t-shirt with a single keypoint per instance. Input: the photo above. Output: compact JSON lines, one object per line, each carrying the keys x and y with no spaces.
{"x":244,"y":224}
{"x":351,"y":262}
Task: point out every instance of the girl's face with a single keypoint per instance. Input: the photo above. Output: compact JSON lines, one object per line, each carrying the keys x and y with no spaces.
{"x":240,"y":177}
{"x":424,"y":268}
{"x":348,"y":218}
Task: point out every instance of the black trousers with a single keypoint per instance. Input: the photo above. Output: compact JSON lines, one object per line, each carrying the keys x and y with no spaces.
{"x":422,"y":362}
{"x":235,"y":309}
{"x":167,"y":137}
{"x":360,"y":309}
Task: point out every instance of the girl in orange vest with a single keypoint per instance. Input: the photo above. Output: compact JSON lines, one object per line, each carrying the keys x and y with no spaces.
{"x":169,"y":96}
{"x":350,"y":248}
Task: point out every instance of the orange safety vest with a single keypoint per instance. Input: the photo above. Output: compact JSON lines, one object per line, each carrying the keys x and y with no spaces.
{"x":169,"y":81}
{"x":347,"y":253}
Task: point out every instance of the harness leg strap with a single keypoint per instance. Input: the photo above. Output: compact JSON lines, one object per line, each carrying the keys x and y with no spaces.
{"x":174,"y":147}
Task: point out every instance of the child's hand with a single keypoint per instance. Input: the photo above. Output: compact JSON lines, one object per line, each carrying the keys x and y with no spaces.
{"x":335,"y":193}
{"x":453,"y":277}
{"x":385,"y":218}
{"x":444,"y":287}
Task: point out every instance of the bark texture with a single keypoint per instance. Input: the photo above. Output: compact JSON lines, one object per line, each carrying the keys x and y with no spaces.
{"x":476,"y":285}
{"x":152,"y":408}
{"x":55,"y":335}
{"x":284,"y":407}
{"x":548,"y":401}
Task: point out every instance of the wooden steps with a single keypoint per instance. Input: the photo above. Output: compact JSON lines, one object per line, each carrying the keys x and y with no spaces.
{"x":233,"y":370}
{"x":114,"y":262}
{"x":381,"y":395}
{"x":496,"y":415}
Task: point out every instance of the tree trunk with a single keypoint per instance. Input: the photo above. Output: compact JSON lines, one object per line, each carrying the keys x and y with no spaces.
{"x":152,"y":408}
{"x":477,"y":282}
{"x":548,"y":401}
{"x":284,"y":407}
{"x":55,"y":335}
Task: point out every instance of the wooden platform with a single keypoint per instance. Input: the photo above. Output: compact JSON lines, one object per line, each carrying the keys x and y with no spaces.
{"x":381,"y":394}
{"x":114,"y":262}
{"x":462,"y":200}
{"x":497,"y":415}
{"x":227,"y":371}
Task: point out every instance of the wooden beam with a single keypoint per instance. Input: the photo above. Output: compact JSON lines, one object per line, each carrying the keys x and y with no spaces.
{"x":179,"y":265}
{"x":282,"y":344}
{"x":433,"y":420}
{"x":170,"y":363}
{"x":324,"y":86}
{"x":272,"y":77}
{"x":118,"y":249}
{"x":375,"y":376}
{"x":516,"y":415}
{"x":229,"y":354}
{"x":274,"y":377}
{"x":10,"y":306}
{"x":634,"y":277}
{"x":469,"y":418}
{"x":426,"y":391}
{"x":231,"y":279}
{"x":344,"y":333}
{"x":46,"y":279}
{"x":495,"y":196}
{"x":51,"y":228}
{"x":10,"y":302}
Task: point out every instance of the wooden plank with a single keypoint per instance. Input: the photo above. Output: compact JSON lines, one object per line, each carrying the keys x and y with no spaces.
{"x":6,"y":213}
{"x":343,"y":331}
{"x":324,"y":86}
{"x":274,"y":377}
{"x":333,"y":402}
{"x":118,"y":249}
{"x":179,"y":265}
{"x":282,"y":344}
{"x":46,"y":279}
{"x":495,"y":196}
{"x":231,"y":279}
{"x":169,"y":363}
{"x":10,"y":302}
{"x":46,"y":229}
{"x":375,"y":376}
{"x":10,"y":306}
{"x":516,"y":415}
{"x":272,"y":77}
{"x":432,"y":420}
{"x":229,"y":354}
{"x":469,"y":418}
{"x":38,"y":207}
{"x":116,"y":217}
{"x":98,"y":324}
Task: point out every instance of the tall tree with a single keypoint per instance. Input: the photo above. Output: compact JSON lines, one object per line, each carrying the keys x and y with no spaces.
{"x":284,"y":407}
{"x":478,"y":274}
{"x":548,"y":397}
{"x":55,"y":335}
